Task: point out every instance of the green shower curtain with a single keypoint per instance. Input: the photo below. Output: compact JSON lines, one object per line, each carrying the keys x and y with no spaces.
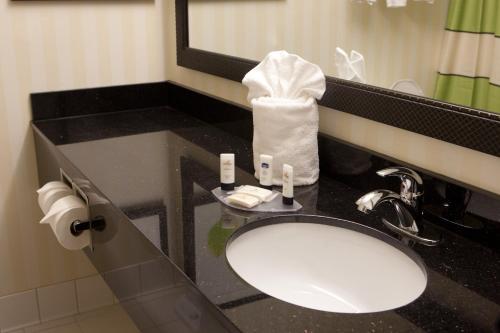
{"x":469,"y":70}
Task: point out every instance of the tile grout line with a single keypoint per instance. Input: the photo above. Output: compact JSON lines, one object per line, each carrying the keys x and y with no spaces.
{"x":38,"y":306}
{"x":76,"y":297}
{"x":141,"y":286}
{"x":48,"y":285}
{"x":80,"y":329}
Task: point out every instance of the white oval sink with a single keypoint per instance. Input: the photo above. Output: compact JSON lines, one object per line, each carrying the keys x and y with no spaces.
{"x":326,"y":264}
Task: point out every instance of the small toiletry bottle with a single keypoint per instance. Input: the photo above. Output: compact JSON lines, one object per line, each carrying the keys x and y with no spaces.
{"x":227,"y":172}
{"x":266,"y":171}
{"x":287,"y":184}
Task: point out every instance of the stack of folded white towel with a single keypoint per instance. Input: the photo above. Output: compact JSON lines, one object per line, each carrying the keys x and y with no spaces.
{"x":283,"y":90}
{"x":393,"y":3}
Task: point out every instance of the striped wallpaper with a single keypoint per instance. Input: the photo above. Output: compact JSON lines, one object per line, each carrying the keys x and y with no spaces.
{"x":443,"y":158}
{"x":52,"y":46}
{"x":396,"y":43}
{"x":63,"y":45}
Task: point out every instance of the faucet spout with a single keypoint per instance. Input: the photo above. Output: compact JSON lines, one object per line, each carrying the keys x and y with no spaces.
{"x":369,"y":202}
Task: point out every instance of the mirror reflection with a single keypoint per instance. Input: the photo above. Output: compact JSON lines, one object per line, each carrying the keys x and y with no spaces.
{"x":443,"y":49}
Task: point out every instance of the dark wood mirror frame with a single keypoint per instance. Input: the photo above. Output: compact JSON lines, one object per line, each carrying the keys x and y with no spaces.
{"x":463,"y":126}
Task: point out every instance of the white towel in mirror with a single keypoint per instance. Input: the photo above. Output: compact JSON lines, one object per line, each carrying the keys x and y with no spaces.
{"x":396,"y":3}
{"x":408,"y":86}
{"x":393,"y":3}
{"x":350,"y":67}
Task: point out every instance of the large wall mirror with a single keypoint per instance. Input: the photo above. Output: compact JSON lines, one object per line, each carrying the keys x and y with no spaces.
{"x":428,"y":67}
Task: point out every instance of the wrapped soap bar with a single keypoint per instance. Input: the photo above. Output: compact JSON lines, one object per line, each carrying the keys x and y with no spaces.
{"x":261,"y":193}
{"x":245,"y":200}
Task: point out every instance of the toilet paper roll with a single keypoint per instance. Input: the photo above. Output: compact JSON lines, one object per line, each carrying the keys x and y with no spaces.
{"x":50,"y":193}
{"x":60,"y":217}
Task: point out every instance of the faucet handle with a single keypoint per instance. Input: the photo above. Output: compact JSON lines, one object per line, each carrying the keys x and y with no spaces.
{"x":412,"y":185}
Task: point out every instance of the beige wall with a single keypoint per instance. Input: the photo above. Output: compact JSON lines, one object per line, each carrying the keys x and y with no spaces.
{"x":62,"y":45}
{"x":53,"y":46}
{"x":397,"y":43}
{"x":468,"y":166}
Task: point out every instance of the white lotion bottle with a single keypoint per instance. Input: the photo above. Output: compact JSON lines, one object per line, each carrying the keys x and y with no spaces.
{"x":266,"y":171}
{"x":287,"y":185}
{"x":227,"y":172}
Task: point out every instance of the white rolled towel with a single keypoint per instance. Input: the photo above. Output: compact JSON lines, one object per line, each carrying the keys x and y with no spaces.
{"x":283,"y":90}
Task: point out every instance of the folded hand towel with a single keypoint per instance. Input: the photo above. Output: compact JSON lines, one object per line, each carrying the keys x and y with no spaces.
{"x":284,"y":75}
{"x":282,"y":91}
{"x":350,"y":68}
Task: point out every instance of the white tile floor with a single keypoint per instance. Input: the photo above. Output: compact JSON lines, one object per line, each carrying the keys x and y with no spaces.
{"x":109,"y":319}
{"x":48,"y":303}
{"x":87,"y":305}
{"x":93,"y":293}
{"x":57,"y":301}
{"x":19,"y":310}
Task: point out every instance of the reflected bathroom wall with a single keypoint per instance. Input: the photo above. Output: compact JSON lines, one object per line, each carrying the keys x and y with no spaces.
{"x":397,"y":43}
{"x":434,"y":155}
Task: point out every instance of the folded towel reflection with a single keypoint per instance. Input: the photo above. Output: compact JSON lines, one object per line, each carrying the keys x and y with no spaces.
{"x":393,"y":3}
{"x":283,"y":90}
{"x":402,"y":3}
{"x":408,"y":86}
{"x":350,"y":67}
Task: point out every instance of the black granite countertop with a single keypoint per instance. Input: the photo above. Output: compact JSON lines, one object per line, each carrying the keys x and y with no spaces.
{"x":165,"y":157}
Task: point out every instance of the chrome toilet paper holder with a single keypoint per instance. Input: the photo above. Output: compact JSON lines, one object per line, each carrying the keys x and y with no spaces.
{"x":77,"y":227}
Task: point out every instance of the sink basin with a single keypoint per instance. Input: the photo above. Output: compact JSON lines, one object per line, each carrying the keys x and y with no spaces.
{"x":326,"y":264}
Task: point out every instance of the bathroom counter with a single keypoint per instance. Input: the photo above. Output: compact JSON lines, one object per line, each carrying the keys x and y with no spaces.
{"x":151,"y":171}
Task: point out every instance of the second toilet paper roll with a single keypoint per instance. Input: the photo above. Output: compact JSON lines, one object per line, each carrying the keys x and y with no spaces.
{"x":49,"y":193}
{"x":60,"y":217}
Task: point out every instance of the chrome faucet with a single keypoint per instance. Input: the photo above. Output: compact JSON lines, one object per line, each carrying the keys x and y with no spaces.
{"x":407,"y":204}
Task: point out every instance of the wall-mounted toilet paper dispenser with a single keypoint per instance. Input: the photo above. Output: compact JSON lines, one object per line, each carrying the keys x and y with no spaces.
{"x":66,"y":210}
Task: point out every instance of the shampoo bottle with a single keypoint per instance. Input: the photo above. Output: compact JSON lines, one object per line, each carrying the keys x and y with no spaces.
{"x":227,"y":172}
{"x":266,"y":171}
{"x":287,"y":184}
